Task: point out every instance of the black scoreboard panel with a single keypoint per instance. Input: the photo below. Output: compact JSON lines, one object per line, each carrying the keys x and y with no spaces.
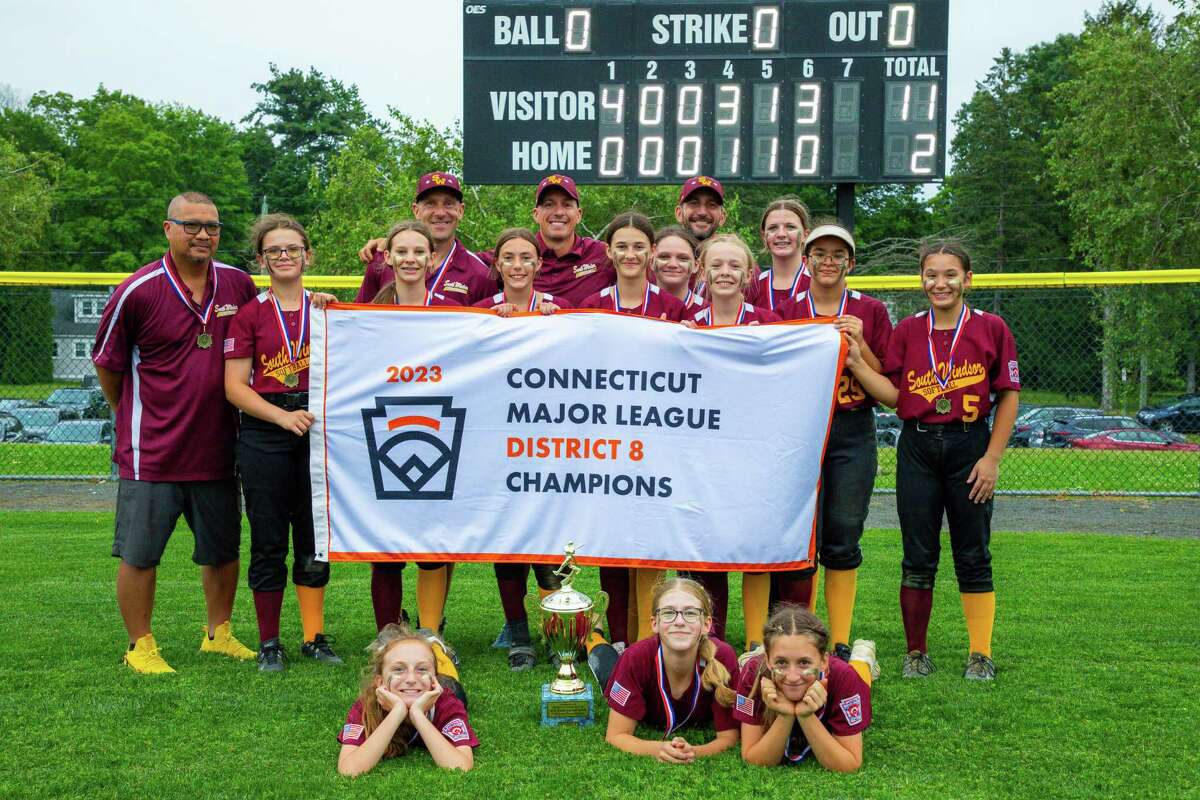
{"x":791,"y":91}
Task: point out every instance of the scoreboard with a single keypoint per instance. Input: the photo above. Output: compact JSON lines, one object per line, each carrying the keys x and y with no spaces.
{"x":791,"y":91}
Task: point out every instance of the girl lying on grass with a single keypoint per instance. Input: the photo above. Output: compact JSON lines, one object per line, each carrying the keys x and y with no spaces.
{"x":793,"y":700}
{"x":410,"y":694}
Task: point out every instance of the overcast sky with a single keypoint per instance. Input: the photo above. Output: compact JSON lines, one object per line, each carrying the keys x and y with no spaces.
{"x":402,"y":53}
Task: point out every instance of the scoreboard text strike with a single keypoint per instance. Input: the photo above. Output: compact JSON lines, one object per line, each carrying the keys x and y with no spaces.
{"x":613,"y":91}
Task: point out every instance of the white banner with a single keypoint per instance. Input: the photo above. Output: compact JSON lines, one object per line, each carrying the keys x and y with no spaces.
{"x":457,"y":435}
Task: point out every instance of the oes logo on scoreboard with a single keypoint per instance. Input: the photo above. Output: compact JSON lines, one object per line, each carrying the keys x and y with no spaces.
{"x":413,"y":444}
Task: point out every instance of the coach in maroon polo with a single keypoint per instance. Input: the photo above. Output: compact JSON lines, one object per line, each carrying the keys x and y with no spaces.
{"x":701,"y":206}
{"x":158,"y":355}
{"x":573,"y":266}
{"x":456,"y":272}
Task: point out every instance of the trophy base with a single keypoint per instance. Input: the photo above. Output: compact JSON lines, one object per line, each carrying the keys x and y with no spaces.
{"x":567,"y":709}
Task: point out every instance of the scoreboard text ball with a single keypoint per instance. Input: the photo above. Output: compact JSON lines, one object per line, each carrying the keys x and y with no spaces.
{"x":792,"y":91}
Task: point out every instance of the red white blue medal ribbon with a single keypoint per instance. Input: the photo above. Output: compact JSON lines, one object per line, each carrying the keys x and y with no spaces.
{"x":741,"y":315}
{"x":664,"y":691}
{"x":441,"y":270}
{"x":771,"y":285}
{"x":533,"y":301}
{"x":293,"y":353}
{"x":687,"y":301}
{"x":812,"y":310}
{"x":959,"y":327}
{"x":642,"y":309}
{"x":186,"y":299}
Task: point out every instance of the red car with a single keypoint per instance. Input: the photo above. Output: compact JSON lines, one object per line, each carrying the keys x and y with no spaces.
{"x":1131,"y":439}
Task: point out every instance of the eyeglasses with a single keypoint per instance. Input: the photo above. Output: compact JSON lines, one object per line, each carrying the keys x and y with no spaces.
{"x":191,"y":227}
{"x":293,"y":252}
{"x":690,"y":615}
{"x":836,"y":260}
{"x":525,"y":261}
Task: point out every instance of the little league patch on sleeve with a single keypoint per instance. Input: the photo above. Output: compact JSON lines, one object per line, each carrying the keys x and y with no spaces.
{"x":619,"y":693}
{"x":1014,"y":374}
{"x":350,"y":732}
{"x":455,"y":730}
{"x":852,"y":708}
{"x":229,"y":345}
{"x":745,"y":705}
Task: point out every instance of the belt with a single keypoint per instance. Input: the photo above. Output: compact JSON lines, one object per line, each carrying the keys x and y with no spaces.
{"x":940,"y":427}
{"x":288,"y":401}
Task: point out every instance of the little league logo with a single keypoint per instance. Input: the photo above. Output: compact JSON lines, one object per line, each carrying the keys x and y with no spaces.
{"x":413,"y":444}
{"x":852,"y":708}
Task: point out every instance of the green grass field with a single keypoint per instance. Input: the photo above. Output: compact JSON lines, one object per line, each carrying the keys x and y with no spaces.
{"x":1096,"y":644}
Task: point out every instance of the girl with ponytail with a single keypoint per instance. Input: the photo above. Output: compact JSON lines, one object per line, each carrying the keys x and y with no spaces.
{"x":677,"y":678}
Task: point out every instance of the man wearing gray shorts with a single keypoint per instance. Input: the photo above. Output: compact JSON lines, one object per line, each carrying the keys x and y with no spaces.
{"x":158,"y":356}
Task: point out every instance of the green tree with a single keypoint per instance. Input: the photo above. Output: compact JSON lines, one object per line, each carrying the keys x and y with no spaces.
{"x":26,"y":197}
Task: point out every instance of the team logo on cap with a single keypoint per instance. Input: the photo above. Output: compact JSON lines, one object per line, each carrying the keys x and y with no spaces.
{"x":438,"y":179}
{"x":704,"y":180}
{"x":555,"y":179}
{"x":413,"y":444}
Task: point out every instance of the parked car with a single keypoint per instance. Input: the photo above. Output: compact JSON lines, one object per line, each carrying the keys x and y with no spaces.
{"x":10,"y":427}
{"x":887,"y":427}
{"x":1062,"y":431}
{"x":80,"y":431}
{"x":1131,"y":439}
{"x":1030,"y":427}
{"x":9,"y":403}
{"x":36,"y":421}
{"x":78,"y":402}
{"x":1181,"y":415}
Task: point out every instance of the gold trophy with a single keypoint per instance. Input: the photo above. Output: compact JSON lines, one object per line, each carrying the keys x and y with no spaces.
{"x":568,"y":617}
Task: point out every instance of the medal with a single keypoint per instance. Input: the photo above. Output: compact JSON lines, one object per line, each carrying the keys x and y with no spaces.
{"x":642,"y":309}
{"x":204,"y":340}
{"x":664,"y":691}
{"x":771,"y":285}
{"x":292,"y":380}
{"x":943,"y":404}
{"x":441,"y":270}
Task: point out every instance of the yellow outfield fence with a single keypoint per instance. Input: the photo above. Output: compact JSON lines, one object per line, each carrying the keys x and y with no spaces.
{"x":1107,"y":362}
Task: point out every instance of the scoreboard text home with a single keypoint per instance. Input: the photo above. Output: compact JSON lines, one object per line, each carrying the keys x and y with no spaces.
{"x":612,"y":91}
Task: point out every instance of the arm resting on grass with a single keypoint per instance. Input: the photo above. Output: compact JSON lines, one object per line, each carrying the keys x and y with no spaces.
{"x":765,"y":747}
{"x":445,"y":754}
{"x":722,"y":742}
{"x":357,"y":759}
{"x":836,"y":753}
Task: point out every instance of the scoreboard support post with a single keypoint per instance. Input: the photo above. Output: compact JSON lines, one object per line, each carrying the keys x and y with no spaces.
{"x":845,"y":205}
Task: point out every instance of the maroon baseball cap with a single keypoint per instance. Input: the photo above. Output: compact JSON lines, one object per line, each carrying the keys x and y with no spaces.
{"x":701,"y":182}
{"x":556,"y":181}
{"x":439,"y":180}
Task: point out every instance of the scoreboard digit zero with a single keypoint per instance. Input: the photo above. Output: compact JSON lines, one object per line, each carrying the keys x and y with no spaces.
{"x":791,"y":91}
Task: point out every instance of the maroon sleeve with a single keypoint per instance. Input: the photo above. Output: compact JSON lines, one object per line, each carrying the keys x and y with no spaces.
{"x":352,"y":731}
{"x":562,"y":302}
{"x":240,"y":339}
{"x":849,"y":703}
{"x":117,"y":330}
{"x":372,"y":280}
{"x":748,"y":708}
{"x":450,"y":718}
{"x":591,"y":301}
{"x":723,"y":719}
{"x":893,"y":363}
{"x":1006,"y":372}
{"x":626,"y":690}
{"x":881,"y":330}
{"x":673,"y":306}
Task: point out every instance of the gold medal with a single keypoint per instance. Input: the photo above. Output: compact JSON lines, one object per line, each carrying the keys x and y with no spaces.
{"x":291,"y":380}
{"x":204,"y":340}
{"x":942,"y":406}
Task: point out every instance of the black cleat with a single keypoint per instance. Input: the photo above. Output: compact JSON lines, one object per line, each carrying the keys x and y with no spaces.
{"x":603,"y":659}
{"x":521,"y":657}
{"x":842,"y":650}
{"x":319,"y":650}
{"x":452,"y":686}
{"x":271,"y":657}
{"x":980,"y":668}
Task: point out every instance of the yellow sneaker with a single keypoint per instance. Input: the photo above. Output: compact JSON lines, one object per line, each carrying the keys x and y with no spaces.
{"x":225,"y":643}
{"x":144,"y":657}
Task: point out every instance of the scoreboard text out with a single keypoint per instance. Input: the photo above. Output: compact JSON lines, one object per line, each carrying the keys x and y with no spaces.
{"x":612,"y":91}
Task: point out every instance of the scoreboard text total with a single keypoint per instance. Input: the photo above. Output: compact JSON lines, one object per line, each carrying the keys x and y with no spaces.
{"x":832,"y":91}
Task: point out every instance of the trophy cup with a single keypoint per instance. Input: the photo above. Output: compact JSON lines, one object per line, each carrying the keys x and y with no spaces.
{"x":568,"y":617}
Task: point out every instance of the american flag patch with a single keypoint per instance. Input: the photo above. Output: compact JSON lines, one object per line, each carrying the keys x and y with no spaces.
{"x":229,"y":345}
{"x":352,"y":732}
{"x":745,"y":705}
{"x":1014,"y":373}
{"x":455,"y":730}
{"x":619,"y":693}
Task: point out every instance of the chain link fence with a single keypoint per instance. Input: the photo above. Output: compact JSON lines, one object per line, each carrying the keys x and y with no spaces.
{"x":1108,"y":406}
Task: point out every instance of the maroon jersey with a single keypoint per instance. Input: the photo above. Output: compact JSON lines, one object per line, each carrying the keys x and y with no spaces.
{"x":462,"y":276}
{"x":255,"y":334}
{"x":542,"y":297}
{"x":448,"y":715}
{"x":748,"y":315}
{"x":877,"y":332}
{"x":847,"y":708}
{"x":173,"y":423}
{"x":760,"y":292}
{"x":584,"y":270}
{"x":432,"y":299}
{"x":985,"y":362}
{"x":635,"y":689}
{"x":655,"y":303}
